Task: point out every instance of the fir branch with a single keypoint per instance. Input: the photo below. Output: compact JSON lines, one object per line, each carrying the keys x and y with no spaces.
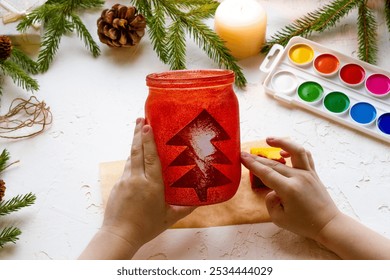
{"x":16,"y":203}
{"x":387,"y":14}
{"x":157,"y":33}
{"x":202,"y":9}
{"x":4,"y":157}
{"x":74,"y":4}
{"x":54,"y":31}
{"x":367,"y":36}
{"x":331,"y":14}
{"x":58,"y":18}
{"x":176,"y":47}
{"x":215,"y":48}
{"x":144,"y":7}
{"x":24,"y":61}
{"x":18,"y":75}
{"x":9,"y":234}
{"x":83,"y":33}
{"x":37,"y":15}
{"x":186,"y":16}
{"x":318,"y":21}
{"x":204,"y":12}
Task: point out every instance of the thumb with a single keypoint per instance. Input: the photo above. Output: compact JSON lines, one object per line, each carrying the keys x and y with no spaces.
{"x":274,"y":205}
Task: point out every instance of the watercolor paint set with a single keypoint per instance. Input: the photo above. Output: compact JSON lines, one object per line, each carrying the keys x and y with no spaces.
{"x":338,"y":87}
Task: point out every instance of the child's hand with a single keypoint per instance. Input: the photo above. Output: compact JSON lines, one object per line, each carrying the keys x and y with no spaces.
{"x":136,"y":209}
{"x":299,"y":201}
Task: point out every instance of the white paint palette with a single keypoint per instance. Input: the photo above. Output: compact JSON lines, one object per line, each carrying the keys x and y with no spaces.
{"x":335,"y":86}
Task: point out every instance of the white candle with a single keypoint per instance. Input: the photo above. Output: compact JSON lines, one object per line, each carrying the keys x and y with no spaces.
{"x":242,"y":25}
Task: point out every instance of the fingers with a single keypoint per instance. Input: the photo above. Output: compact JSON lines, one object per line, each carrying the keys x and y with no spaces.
{"x":151,"y":159}
{"x":273,"y":202}
{"x":274,"y":206}
{"x":136,"y":161}
{"x":299,"y":156}
{"x":269,"y":171}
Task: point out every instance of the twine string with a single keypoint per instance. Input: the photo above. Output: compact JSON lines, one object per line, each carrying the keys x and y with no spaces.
{"x":24,"y":114}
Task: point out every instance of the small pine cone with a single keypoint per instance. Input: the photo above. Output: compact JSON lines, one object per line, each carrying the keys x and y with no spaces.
{"x":5,"y":47}
{"x":2,"y":189}
{"x":121,"y":26}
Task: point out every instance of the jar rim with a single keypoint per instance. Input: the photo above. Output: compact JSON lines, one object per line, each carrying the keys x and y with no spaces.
{"x":189,"y":78}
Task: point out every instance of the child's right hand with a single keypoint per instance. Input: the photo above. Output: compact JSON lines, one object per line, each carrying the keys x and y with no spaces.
{"x":298,"y":201}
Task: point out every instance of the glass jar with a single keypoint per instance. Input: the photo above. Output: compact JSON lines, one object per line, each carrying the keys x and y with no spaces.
{"x":195,"y":118}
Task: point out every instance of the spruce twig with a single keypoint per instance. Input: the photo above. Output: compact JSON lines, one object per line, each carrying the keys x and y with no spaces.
{"x":10,"y":68}
{"x":18,"y":66}
{"x":24,"y":61}
{"x":9,"y":234}
{"x":319,"y":20}
{"x":328,"y":16}
{"x":84,"y":35}
{"x":168,"y":39}
{"x":367,"y":36}
{"x":387,"y":14}
{"x":59,"y":18}
{"x":4,"y":157}
{"x":16,"y":203}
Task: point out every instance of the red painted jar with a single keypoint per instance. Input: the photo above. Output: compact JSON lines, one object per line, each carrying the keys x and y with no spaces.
{"x":195,"y":118}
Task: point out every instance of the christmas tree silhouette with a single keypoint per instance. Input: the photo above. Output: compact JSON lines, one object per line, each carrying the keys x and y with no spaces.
{"x":198,"y":136}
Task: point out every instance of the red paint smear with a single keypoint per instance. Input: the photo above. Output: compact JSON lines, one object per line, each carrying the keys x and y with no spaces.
{"x":326,"y":63}
{"x":352,"y":74}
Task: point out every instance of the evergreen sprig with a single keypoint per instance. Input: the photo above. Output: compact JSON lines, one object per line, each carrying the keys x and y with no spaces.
{"x":19,"y":67}
{"x":387,"y":14}
{"x":367,"y":35}
{"x":318,"y":20}
{"x":16,"y":203}
{"x":10,"y":67}
{"x":327,"y":17}
{"x":169,"y":21}
{"x":24,"y":61}
{"x":9,"y":234}
{"x":4,"y":157}
{"x":59,"y":18}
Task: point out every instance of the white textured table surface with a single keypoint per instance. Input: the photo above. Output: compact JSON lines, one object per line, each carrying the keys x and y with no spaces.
{"x":95,"y":103}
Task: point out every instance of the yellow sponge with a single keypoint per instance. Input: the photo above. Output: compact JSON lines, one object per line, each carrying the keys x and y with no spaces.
{"x":266,"y":152}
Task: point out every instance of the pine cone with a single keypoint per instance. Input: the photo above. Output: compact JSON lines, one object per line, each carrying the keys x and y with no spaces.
{"x":5,"y":47}
{"x":121,"y":26}
{"x":2,"y":189}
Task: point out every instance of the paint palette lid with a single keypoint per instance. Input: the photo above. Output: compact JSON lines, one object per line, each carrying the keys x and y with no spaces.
{"x":330,"y":84}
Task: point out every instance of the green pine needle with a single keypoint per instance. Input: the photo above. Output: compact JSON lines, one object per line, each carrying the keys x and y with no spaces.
{"x":9,"y":234}
{"x":327,"y":17}
{"x":176,"y":47}
{"x":59,"y":18}
{"x":4,"y":157}
{"x":24,"y":61}
{"x":157,"y":32}
{"x":83,"y":34}
{"x":387,"y":14}
{"x":214,"y":47}
{"x":16,"y":203}
{"x":367,"y":35}
{"x":330,"y":14}
{"x":185,"y":16}
{"x":18,"y":75}
{"x":319,"y":20}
